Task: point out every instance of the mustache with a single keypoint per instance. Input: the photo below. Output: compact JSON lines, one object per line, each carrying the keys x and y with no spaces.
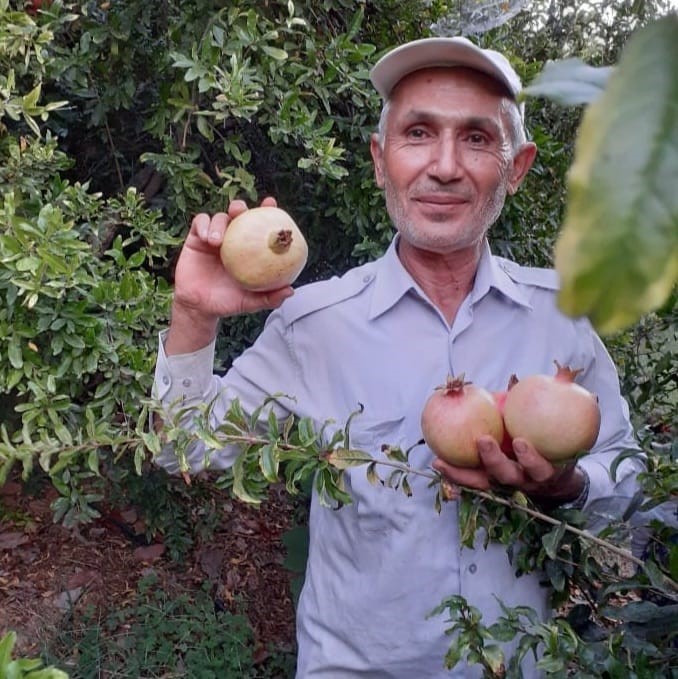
{"x":441,"y":191}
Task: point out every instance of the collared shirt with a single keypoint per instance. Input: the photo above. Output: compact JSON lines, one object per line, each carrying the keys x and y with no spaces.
{"x":378,"y":566}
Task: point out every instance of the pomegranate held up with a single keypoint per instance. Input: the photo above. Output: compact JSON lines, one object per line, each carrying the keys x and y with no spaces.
{"x":263,"y":249}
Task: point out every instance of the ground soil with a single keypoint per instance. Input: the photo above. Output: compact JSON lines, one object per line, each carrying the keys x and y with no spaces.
{"x":45,"y":569}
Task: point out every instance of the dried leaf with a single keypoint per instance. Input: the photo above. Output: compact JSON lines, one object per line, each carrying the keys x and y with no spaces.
{"x":12,"y":540}
{"x":150,"y":553}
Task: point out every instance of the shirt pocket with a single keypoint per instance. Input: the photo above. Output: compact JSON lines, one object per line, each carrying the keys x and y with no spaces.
{"x":379,"y":508}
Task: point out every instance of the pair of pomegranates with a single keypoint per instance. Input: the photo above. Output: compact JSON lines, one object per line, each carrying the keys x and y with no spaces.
{"x":557,"y":416}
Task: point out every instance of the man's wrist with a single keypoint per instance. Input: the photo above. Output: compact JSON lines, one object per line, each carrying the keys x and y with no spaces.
{"x":189,"y":330}
{"x":579,"y":501}
{"x":572,"y":496}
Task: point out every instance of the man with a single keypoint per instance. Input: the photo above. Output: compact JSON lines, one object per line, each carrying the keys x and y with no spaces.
{"x":450,"y":147}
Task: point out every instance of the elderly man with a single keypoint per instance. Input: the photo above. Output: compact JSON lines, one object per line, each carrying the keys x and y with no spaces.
{"x":449,"y":148}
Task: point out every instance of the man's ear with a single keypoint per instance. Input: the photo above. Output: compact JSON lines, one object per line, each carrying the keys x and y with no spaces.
{"x":377,"y":159}
{"x":522,"y":162}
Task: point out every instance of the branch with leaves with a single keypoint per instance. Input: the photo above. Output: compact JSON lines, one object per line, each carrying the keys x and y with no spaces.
{"x":295,"y":451}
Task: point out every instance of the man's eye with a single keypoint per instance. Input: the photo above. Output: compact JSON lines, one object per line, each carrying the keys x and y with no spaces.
{"x":477,"y":138}
{"x":416,"y":133}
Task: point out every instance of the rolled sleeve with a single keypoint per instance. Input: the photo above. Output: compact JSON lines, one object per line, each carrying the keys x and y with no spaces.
{"x":182,"y":381}
{"x":263,"y":373}
{"x":184,"y":376}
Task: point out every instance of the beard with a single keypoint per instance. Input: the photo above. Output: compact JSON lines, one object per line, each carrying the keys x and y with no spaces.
{"x":447,"y":234}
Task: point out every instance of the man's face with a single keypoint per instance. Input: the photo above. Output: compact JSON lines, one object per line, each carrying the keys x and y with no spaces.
{"x":446,"y":162}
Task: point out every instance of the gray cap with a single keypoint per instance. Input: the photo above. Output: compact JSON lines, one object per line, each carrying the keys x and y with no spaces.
{"x":434,"y":52}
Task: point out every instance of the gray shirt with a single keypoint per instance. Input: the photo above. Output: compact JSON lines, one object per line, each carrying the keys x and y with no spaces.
{"x":377,"y":567}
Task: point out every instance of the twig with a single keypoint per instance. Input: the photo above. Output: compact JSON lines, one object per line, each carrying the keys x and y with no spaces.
{"x":109,"y":136}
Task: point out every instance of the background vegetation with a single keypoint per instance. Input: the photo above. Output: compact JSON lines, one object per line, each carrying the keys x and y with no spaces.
{"x":120,"y":120}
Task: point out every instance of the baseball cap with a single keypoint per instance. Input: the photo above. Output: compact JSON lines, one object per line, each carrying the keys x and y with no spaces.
{"x":433,"y":52}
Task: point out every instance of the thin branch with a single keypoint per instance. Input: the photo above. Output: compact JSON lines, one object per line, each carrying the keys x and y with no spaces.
{"x":111,"y":143}
{"x":507,"y":502}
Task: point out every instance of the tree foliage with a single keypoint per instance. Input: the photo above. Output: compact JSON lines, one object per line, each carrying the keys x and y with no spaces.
{"x":120,"y":120}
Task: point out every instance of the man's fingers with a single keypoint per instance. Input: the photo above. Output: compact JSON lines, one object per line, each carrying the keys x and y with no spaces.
{"x":235,"y":208}
{"x":498,"y":466}
{"x":472,"y":478}
{"x":208,"y":229}
{"x":536,"y":467}
{"x":217,"y":228}
{"x":257,"y":301}
{"x":275,"y":298}
{"x":200,"y":225}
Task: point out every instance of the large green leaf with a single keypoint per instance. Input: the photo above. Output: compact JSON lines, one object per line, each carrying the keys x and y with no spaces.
{"x":570,"y":82}
{"x":617,"y":254}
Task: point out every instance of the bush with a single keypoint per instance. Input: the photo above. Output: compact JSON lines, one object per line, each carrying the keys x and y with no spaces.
{"x":162,"y":634}
{"x":119,"y":121}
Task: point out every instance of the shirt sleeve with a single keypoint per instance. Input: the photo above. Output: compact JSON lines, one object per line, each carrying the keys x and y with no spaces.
{"x":609,"y":494}
{"x":187,"y":382}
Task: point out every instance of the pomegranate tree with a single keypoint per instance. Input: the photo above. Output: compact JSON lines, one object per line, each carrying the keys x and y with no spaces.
{"x":263,"y":249}
{"x":557,"y":416}
{"x":455,"y":416}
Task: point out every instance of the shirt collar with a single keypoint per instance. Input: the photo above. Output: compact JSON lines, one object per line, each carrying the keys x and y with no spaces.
{"x":494,"y":272}
{"x":392,"y":281}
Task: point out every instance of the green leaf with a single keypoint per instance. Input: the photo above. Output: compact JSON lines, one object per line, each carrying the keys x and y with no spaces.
{"x":349,"y":421}
{"x":644,"y":611}
{"x":14,"y":353}
{"x":31,"y":99}
{"x":341,"y":458}
{"x":617,"y":255}
{"x":204,"y":128}
{"x":239,"y":481}
{"x":494,"y":657}
{"x":275,"y":53}
{"x":6,"y":646}
{"x":269,"y":461}
{"x":306,"y":431}
{"x":551,"y":540}
{"x":570,"y":82}
{"x":395,"y":454}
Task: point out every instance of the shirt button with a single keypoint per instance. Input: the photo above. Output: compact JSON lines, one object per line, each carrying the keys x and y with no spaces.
{"x":367,"y":279}
{"x":165,"y":380}
{"x":186,"y":382}
{"x":472,"y":568}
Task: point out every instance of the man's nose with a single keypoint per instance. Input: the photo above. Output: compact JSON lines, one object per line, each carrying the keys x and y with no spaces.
{"x":445,"y":163}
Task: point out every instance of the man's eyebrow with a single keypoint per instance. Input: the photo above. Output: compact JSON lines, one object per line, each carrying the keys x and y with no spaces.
{"x":419,"y":115}
{"x":484,"y":123}
{"x":472,"y":122}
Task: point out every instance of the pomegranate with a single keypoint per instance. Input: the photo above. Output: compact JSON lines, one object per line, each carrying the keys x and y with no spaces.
{"x":263,"y":249}
{"x":557,"y":416}
{"x":453,"y":418}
